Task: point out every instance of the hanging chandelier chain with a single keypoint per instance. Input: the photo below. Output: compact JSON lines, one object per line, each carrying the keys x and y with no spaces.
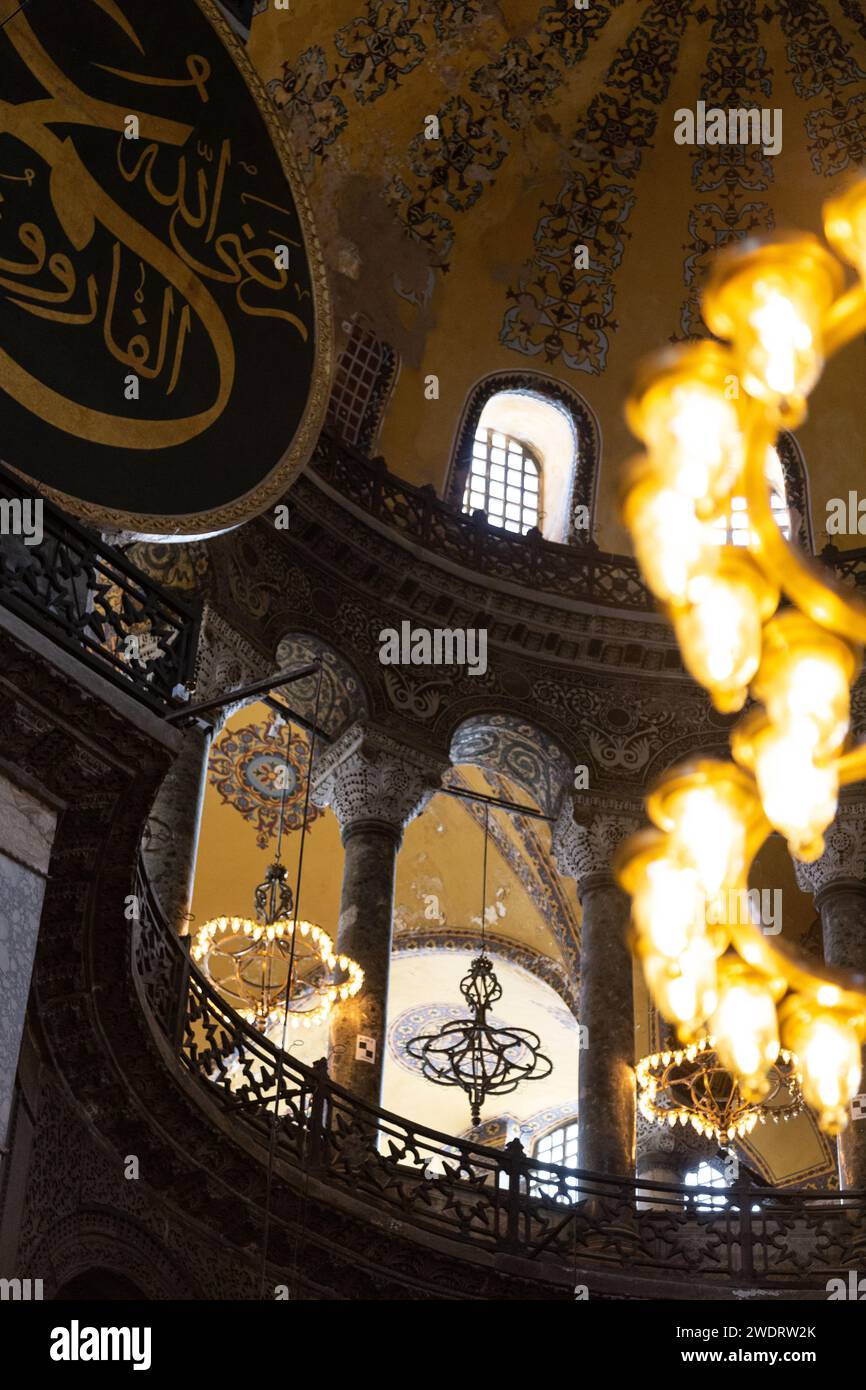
{"x":484,"y":879}
{"x":304,"y":821}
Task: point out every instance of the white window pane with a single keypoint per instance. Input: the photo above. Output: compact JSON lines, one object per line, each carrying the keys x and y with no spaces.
{"x":500,"y":440}
{"x":513,"y":494}
{"x":476,"y":499}
{"x":512,"y":526}
{"x":512,"y":511}
{"x":497,"y":490}
{"x":530,"y":482}
{"x":497,"y":472}
{"x":497,"y":455}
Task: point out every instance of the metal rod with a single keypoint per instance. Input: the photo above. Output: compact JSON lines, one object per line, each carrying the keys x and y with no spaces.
{"x":294,"y":718}
{"x":496,"y":801}
{"x":257,"y":688}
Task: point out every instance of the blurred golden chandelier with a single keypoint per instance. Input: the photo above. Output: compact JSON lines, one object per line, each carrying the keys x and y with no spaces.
{"x":708,"y":414}
{"x":689,"y":1086}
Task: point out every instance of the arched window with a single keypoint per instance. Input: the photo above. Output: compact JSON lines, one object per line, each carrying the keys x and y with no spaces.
{"x":559,"y":1146}
{"x":527,"y":456}
{"x":504,"y":481}
{"x":707,"y":1174}
{"x":733,"y":527}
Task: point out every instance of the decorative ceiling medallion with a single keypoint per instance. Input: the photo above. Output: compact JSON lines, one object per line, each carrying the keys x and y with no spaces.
{"x":250,"y":770}
{"x":162,"y":295}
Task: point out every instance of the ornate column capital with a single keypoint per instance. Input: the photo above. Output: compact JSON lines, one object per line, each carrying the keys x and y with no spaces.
{"x":584,"y":850}
{"x":844,"y":857}
{"x":367,"y":776}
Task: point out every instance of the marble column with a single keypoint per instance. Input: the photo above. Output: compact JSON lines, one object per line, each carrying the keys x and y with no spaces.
{"x":374,"y":786}
{"x":606,"y":1082}
{"x":838,"y":882}
{"x":170,"y":845}
{"x":26,"y":835}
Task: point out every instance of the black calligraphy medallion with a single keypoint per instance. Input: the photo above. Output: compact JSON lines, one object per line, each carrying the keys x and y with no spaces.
{"x":163,"y":319}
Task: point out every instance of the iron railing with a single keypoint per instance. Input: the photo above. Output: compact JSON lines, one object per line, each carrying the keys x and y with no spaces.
{"x":499,"y":1201}
{"x":850,"y":565}
{"x":87,"y":597}
{"x":571,"y":571}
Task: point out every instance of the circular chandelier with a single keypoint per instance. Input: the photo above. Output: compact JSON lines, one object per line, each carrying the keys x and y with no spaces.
{"x":276,"y":968}
{"x":482,"y":1059}
{"x":691,"y":1085}
{"x":708,"y":413}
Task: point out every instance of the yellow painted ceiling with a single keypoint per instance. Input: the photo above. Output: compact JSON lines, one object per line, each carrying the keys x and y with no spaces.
{"x":557,"y":128}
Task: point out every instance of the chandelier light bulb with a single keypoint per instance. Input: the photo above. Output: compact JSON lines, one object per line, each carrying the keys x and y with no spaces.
{"x":669,"y":908}
{"x":828,"y":1048}
{"x":670,"y":541}
{"x":745,"y":1030}
{"x":799,"y":795}
{"x":684,"y":990}
{"x":770,"y":301}
{"x":720,"y":637}
{"x":845,"y":224}
{"x":710,"y":835}
{"x":683,"y":411}
{"x":805,"y":676}
{"x":786,"y":340}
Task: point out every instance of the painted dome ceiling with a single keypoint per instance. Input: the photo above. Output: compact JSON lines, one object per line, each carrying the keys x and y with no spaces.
{"x":556,"y":129}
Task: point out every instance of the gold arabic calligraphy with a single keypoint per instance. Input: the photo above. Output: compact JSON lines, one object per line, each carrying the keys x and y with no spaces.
{"x":80,"y":202}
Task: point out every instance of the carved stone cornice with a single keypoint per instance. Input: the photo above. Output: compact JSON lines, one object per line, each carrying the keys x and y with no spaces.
{"x":226,"y":660}
{"x":844,"y":857}
{"x":585,"y":851}
{"x":368,"y":776}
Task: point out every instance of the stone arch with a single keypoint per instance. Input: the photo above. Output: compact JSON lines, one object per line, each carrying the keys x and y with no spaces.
{"x":96,"y":1239}
{"x":433,"y":939}
{"x":504,"y":745}
{"x":587,"y":440}
{"x":344,"y":699}
{"x":509,"y":746}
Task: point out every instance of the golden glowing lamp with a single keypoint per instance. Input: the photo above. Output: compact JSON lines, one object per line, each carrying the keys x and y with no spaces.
{"x":668,"y":904}
{"x":827,"y":1044}
{"x":682,"y":410}
{"x":770,"y":300}
{"x":805,"y":675}
{"x":719,"y":626}
{"x":845,"y":224}
{"x":799,"y":795}
{"x":713,"y":816}
{"x":744,"y":1025}
{"x":685,"y":990}
{"x":669,"y":540}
